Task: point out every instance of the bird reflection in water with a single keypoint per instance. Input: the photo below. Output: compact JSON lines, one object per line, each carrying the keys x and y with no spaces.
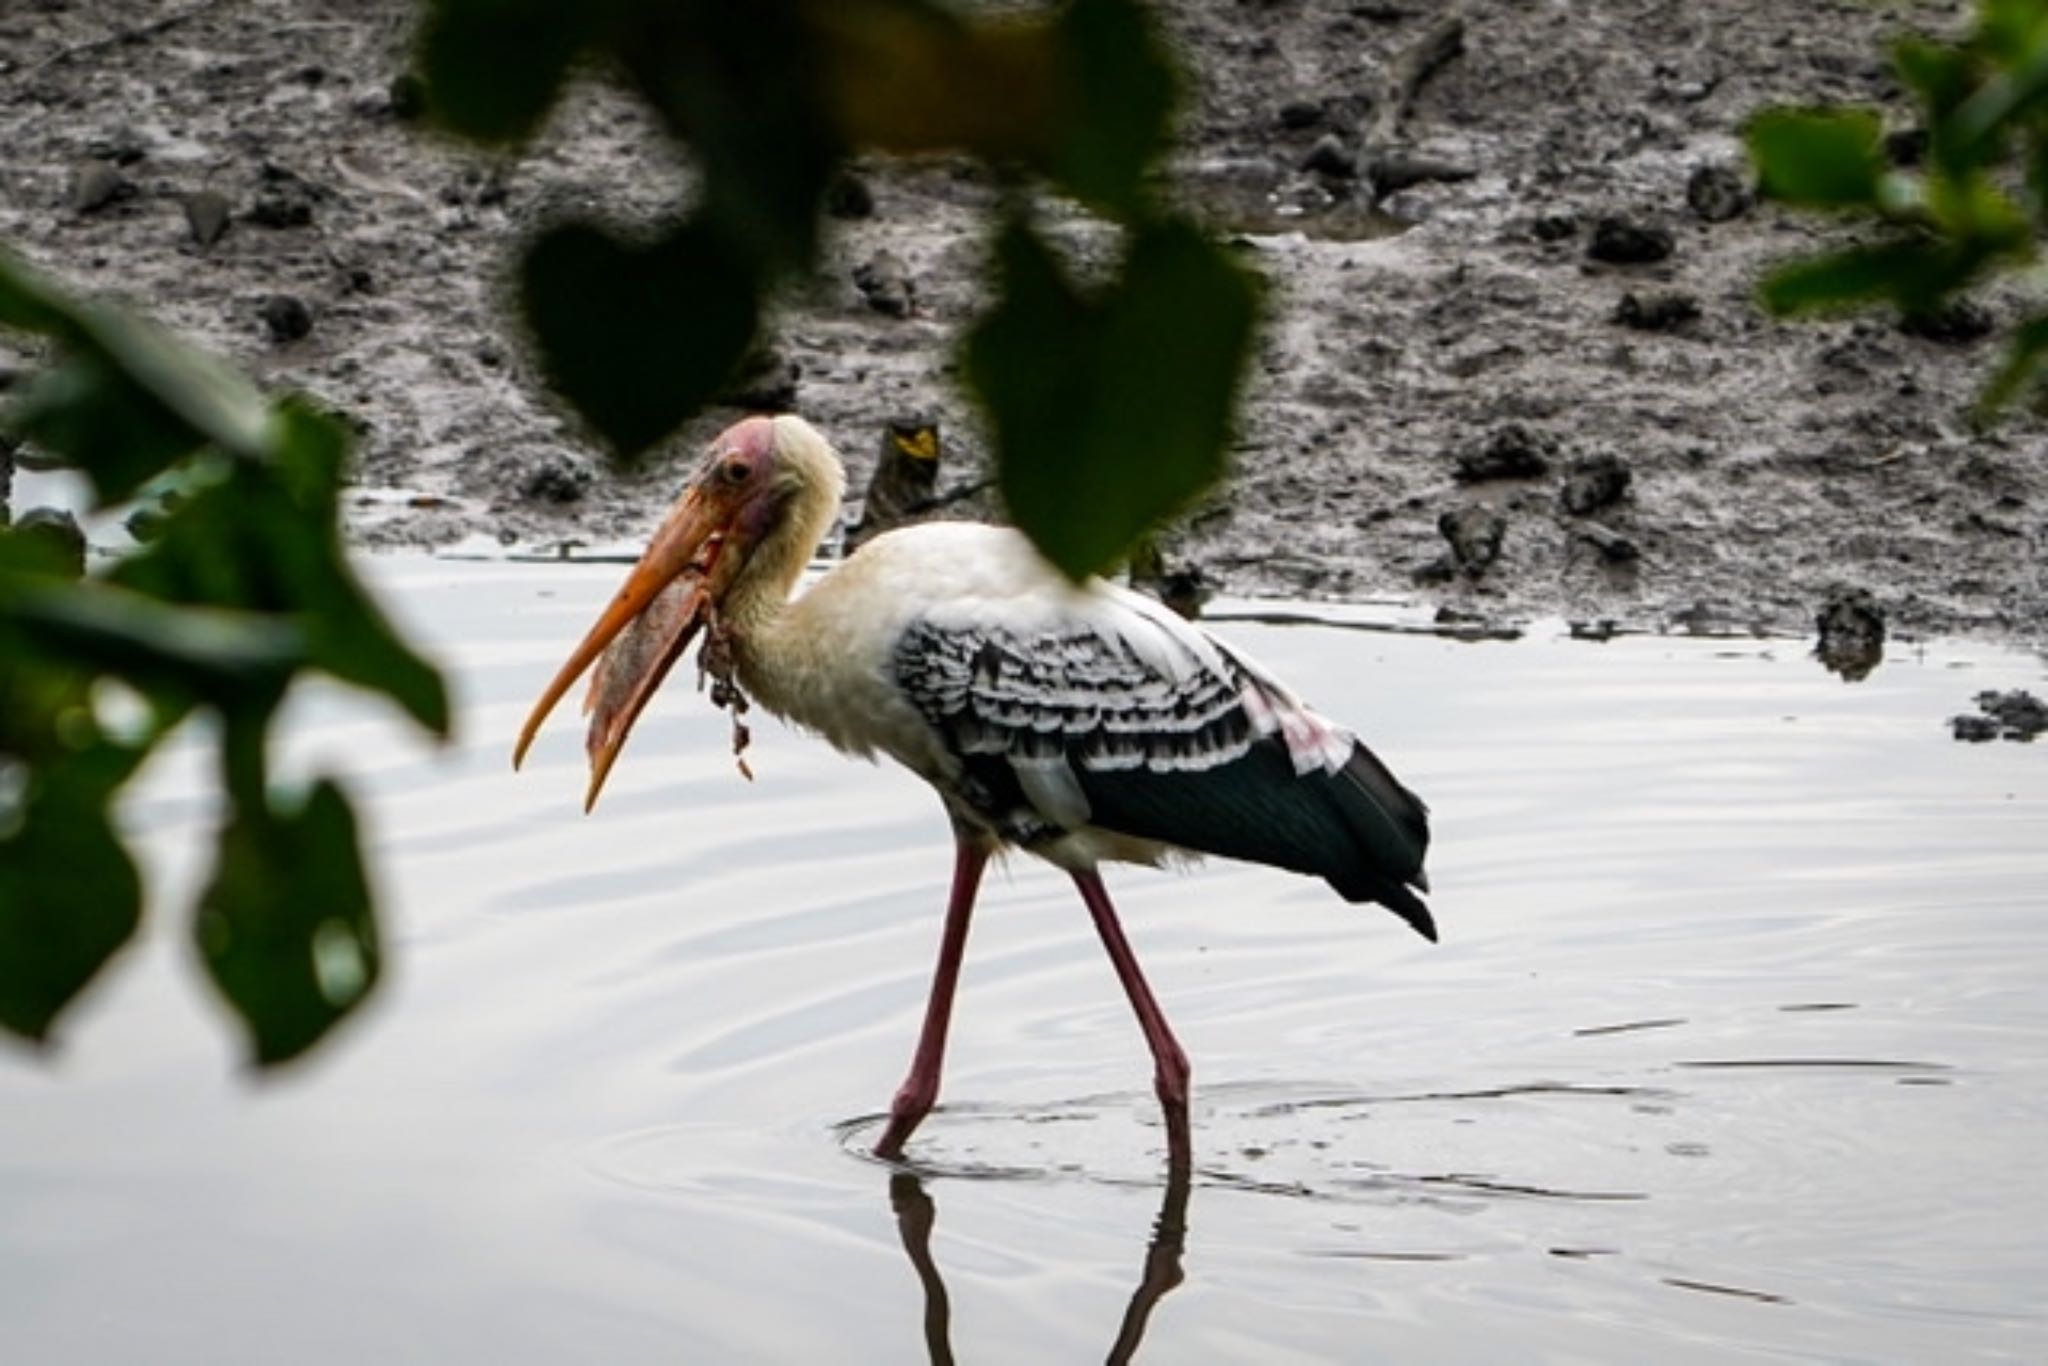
{"x":916,"y":1216}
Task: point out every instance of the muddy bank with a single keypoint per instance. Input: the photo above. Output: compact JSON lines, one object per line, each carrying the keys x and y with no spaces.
{"x":1551,"y":393}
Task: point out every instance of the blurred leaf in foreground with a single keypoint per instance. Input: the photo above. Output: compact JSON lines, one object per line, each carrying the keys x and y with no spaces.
{"x":638,"y":337}
{"x":1112,"y":409}
{"x":1947,"y":225}
{"x":1825,"y":158}
{"x":293,"y":954}
{"x":244,"y":589}
{"x":69,"y":894}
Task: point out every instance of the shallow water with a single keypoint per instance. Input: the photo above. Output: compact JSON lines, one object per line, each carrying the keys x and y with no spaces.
{"x":1735,"y":1047}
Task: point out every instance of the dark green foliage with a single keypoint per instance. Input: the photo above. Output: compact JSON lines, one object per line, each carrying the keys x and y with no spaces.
{"x":292,"y":953}
{"x":243,"y":588}
{"x":69,"y":895}
{"x":1975,"y":208}
{"x":493,"y":68}
{"x":1829,"y":158}
{"x":1913,"y":273}
{"x":1118,"y":101}
{"x":638,"y":337}
{"x":739,"y":84}
{"x":1110,"y":411}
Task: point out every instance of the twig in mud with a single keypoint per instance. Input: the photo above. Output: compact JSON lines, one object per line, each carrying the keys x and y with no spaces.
{"x":1385,"y":167}
{"x":123,"y":37}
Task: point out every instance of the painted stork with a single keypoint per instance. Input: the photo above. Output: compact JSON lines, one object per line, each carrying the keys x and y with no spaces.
{"x":1079,"y":722}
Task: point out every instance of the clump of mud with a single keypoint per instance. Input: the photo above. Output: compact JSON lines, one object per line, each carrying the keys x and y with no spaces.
{"x":2015,"y":715}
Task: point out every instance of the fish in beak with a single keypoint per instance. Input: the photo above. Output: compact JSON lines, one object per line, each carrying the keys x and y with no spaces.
{"x":670,"y":595}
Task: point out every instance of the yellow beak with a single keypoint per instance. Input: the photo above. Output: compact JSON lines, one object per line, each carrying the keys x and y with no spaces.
{"x":666,"y":599}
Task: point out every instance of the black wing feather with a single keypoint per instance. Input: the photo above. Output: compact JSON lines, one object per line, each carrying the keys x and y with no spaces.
{"x":1177,"y":761}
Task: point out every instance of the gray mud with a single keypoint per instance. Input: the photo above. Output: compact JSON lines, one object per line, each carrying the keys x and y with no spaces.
{"x":1583,"y":296}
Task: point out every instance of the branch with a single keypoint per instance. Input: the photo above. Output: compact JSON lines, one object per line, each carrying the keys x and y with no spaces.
{"x":1382,"y":162}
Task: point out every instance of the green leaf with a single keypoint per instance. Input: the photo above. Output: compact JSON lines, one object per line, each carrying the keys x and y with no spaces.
{"x":2022,"y":364}
{"x":69,"y":894}
{"x":493,"y":68}
{"x":1914,"y":274}
{"x":347,"y":633}
{"x":104,"y":629}
{"x":1941,"y":74}
{"x":26,"y":301}
{"x":1121,"y":89}
{"x":639,"y":337}
{"x":2010,"y":29}
{"x":37,"y":551}
{"x":1981,"y":124}
{"x":1112,"y":412}
{"x":263,"y":540}
{"x":286,"y":929}
{"x":1821,"y":158}
{"x":97,"y":421}
{"x":741,"y":84}
{"x":1977,"y":216}
{"x":126,"y":398}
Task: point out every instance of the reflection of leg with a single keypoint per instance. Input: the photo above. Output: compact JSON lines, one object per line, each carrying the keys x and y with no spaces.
{"x":920,"y":1090}
{"x":1162,"y":1266}
{"x":1170,"y":1066}
{"x":915,"y":1216}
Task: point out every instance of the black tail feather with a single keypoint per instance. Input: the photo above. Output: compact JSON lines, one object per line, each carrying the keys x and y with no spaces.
{"x":1358,"y":828}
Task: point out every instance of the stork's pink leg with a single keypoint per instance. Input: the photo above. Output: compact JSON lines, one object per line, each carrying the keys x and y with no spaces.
{"x":920,"y":1090}
{"x":1170,"y":1065}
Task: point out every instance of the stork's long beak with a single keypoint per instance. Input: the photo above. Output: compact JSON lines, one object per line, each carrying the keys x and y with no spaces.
{"x":665,"y":601}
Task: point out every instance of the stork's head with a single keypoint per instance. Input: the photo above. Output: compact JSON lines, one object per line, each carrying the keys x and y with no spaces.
{"x":766,"y":490}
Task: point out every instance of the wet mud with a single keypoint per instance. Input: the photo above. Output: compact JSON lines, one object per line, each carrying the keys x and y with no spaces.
{"x":1513,"y":364}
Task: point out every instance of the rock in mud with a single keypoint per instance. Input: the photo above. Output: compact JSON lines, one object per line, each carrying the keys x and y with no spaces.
{"x":766,"y":382}
{"x":1596,"y":482}
{"x":286,"y":318}
{"x":1512,"y":451}
{"x":1718,"y":193}
{"x":1660,"y":312}
{"x":1612,"y":546}
{"x":96,"y":185}
{"x":287,"y":200}
{"x":884,"y":281}
{"x":1622,"y":242}
{"x":1328,"y":155}
{"x":2015,"y":715}
{"x":1906,"y":146}
{"x":1975,"y":729}
{"x":1298,"y":116}
{"x":1959,"y":322}
{"x":1397,"y":171}
{"x":556,"y":479}
{"x":1475,"y":534}
{"x":206,"y":216}
{"x":123,"y":147}
{"x":849,"y":197}
{"x":1851,"y":629}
